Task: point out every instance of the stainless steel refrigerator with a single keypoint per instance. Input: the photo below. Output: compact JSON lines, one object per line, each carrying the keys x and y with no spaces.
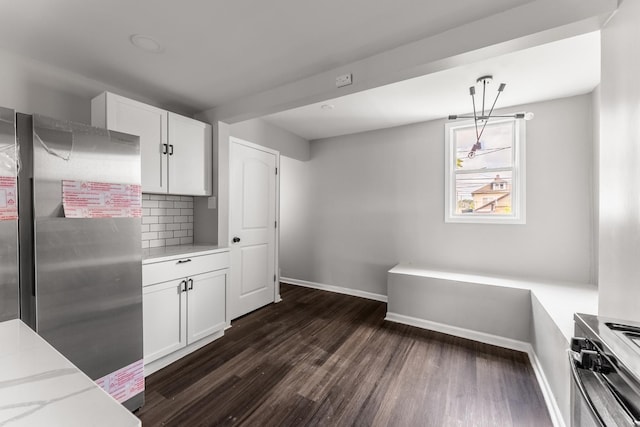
{"x":9,"y":306}
{"x":80,"y":251}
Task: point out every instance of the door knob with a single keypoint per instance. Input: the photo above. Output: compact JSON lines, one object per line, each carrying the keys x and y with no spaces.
{"x":235,"y":240}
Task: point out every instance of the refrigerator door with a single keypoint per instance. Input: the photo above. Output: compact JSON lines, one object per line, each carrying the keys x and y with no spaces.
{"x":88,"y":270}
{"x":9,"y":302}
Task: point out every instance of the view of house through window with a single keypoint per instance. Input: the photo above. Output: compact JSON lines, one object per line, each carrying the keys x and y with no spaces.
{"x":485,"y":177}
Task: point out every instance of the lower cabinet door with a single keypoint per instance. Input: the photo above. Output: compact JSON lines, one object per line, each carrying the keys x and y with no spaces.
{"x":164,"y":307}
{"x":206,"y":304}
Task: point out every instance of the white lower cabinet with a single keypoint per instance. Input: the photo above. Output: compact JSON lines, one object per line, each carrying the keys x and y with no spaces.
{"x":164,"y":319}
{"x":179,"y":314}
{"x":205,"y":305}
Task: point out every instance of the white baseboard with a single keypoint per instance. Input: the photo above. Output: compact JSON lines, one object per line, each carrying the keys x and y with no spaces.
{"x":336,"y":289}
{"x":547,"y":393}
{"x":549,"y":399}
{"x":459,"y":332}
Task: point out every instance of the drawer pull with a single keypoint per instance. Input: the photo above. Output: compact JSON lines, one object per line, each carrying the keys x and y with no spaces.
{"x":182,"y":261}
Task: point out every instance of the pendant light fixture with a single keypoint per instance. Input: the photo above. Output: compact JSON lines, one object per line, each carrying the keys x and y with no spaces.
{"x":483,"y":116}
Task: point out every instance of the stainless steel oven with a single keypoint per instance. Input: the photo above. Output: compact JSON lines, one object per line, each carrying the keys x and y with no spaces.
{"x":605,"y":367}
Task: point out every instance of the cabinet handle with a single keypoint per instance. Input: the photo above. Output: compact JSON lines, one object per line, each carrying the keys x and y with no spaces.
{"x":190,"y":284}
{"x":164,"y":148}
{"x":182,"y":261}
{"x":171,"y":149}
{"x":183,"y":286}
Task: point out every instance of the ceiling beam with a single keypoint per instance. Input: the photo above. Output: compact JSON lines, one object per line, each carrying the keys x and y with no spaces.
{"x":532,"y":24}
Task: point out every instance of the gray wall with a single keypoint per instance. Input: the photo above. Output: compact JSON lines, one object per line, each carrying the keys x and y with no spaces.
{"x":375,"y":199}
{"x":30,"y":87}
{"x":266,"y":134}
{"x":619,"y":269}
{"x":296,"y":259}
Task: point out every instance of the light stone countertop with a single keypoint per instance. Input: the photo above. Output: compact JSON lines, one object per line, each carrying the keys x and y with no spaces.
{"x":165,"y":253}
{"x":40,"y":387}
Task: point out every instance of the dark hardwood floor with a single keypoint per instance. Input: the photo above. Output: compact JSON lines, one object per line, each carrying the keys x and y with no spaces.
{"x":325,"y":359}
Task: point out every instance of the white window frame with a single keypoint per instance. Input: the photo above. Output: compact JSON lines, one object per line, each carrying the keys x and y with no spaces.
{"x":518,"y":185}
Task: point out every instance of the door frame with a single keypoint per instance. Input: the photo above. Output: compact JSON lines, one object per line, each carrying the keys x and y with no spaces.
{"x":276,"y":153}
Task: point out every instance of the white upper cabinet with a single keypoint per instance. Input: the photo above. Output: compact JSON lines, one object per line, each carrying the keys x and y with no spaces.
{"x":189,"y":156}
{"x":175,"y":150}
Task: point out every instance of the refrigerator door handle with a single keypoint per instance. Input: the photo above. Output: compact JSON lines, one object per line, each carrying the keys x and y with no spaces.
{"x":190,"y":284}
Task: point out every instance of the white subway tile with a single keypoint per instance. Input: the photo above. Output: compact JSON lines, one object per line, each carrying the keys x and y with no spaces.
{"x":157,"y":243}
{"x":150,"y":203}
{"x":171,"y":227}
{"x":150,"y":220}
{"x":180,"y":219}
{"x":186,"y":198}
{"x":186,"y":240}
{"x":165,"y":204}
{"x":186,"y":226}
{"x":173,"y":211}
{"x":165,"y":219}
{"x":145,"y":244}
{"x":152,"y":235}
{"x":189,"y":232}
{"x":145,"y":196}
{"x":173,"y":198}
{"x":146,"y":211}
{"x":166,"y":235}
{"x":181,"y":205}
{"x":173,"y":242}
{"x":144,"y":228}
{"x":180,"y":233}
{"x":158,"y":197}
{"x":186,"y":212}
{"x":158,"y":227}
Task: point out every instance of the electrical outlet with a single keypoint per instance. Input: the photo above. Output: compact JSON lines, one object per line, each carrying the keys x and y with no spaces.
{"x":211,"y":202}
{"x":343,"y":80}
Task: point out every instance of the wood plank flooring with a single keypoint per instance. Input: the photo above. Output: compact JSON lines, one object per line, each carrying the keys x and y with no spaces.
{"x":325,"y":359}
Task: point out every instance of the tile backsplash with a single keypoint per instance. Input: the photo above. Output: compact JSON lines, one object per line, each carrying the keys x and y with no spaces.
{"x":166,"y":220}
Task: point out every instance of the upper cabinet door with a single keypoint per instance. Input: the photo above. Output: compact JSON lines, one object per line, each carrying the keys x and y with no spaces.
{"x":190,"y":156}
{"x":149,"y":123}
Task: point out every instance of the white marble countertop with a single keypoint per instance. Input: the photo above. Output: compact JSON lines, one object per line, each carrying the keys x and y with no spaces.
{"x":40,"y":387}
{"x":165,"y":253}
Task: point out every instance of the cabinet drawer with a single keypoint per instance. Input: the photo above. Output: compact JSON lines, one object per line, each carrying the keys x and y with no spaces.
{"x":183,"y":267}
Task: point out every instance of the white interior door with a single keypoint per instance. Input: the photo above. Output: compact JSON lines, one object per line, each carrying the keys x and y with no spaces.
{"x":252,"y":227}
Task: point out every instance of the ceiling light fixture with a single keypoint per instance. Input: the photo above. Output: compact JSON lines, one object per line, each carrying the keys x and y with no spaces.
{"x":146,"y":43}
{"x":484,"y":116}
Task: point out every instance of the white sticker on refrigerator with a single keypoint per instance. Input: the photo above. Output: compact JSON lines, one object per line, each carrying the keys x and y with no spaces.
{"x":8,"y":205}
{"x":85,"y":199}
{"x":124,"y":383}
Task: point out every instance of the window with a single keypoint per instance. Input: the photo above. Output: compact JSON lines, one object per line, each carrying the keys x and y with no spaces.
{"x":485,"y":180}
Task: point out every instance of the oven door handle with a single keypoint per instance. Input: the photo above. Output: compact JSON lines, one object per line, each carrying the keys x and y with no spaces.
{"x":583,"y":392}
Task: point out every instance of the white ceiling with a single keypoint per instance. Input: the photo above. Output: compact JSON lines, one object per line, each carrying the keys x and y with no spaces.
{"x":555,"y":70}
{"x":216,"y":50}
